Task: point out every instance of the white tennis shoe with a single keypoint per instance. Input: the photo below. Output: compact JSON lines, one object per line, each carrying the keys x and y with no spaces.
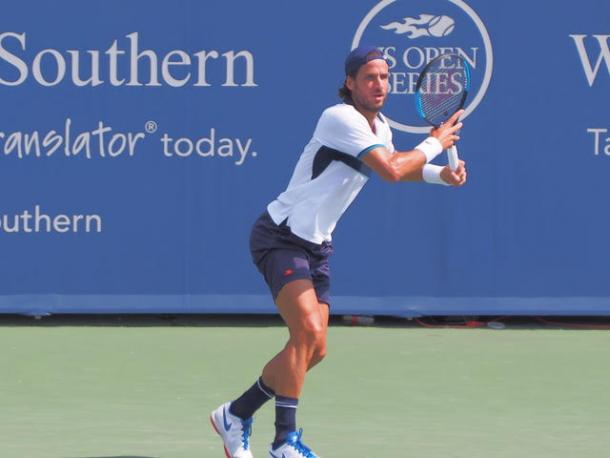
{"x":234,"y":431}
{"x":292,"y":447}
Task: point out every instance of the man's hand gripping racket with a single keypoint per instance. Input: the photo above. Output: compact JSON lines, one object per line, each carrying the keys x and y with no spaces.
{"x":440,"y":94}
{"x":446,"y":134}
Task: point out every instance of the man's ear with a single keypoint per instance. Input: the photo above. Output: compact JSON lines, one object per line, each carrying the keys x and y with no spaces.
{"x":349,"y":83}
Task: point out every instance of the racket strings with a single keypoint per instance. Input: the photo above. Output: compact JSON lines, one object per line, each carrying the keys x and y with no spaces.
{"x":442,"y":88}
{"x":439,"y":111}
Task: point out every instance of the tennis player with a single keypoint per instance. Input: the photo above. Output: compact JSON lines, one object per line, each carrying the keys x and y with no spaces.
{"x":291,"y":242}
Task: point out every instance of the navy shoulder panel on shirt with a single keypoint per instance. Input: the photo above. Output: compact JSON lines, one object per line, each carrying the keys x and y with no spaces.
{"x":325,"y":155}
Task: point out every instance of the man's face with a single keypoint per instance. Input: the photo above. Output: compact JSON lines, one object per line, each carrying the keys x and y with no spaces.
{"x":369,"y":87}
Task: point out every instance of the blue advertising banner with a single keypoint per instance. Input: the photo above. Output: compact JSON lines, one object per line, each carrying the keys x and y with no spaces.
{"x":140,"y":140}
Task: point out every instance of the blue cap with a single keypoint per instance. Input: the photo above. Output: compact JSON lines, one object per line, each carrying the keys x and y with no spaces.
{"x":361,"y":56}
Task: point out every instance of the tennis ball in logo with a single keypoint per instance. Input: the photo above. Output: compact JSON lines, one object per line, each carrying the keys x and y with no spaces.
{"x":440,"y":26}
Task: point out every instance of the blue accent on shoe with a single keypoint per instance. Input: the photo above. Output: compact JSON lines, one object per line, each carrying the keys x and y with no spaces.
{"x":294,"y":439}
{"x":246,"y":427}
{"x":227,"y":425}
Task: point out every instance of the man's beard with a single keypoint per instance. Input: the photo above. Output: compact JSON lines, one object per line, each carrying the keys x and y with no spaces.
{"x":369,"y":106}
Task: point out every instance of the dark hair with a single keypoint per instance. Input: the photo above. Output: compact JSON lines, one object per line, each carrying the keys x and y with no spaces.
{"x":345,"y":94}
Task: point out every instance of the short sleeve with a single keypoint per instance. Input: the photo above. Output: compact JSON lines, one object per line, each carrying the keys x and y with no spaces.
{"x":344,"y":129}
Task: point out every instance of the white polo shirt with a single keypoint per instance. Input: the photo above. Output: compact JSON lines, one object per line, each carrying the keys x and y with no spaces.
{"x":322,"y":187}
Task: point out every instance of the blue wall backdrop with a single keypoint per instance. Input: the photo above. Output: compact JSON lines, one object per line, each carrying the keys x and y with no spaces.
{"x":140,"y":140}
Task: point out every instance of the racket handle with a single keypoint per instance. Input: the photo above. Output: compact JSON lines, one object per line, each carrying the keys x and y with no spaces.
{"x":452,"y":155}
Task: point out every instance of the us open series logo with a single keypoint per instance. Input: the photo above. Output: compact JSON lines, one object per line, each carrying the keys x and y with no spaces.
{"x":413,"y":32}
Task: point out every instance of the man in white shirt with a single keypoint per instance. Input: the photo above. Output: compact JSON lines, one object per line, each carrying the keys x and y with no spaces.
{"x":291,"y":241}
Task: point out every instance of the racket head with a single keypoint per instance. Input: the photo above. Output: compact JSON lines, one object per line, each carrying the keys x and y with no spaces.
{"x":442,"y":88}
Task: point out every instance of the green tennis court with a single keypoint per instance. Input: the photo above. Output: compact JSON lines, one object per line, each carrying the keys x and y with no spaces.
{"x":143,"y":388}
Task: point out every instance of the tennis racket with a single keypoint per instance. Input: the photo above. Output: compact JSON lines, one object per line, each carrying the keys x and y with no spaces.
{"x":441,"y":90}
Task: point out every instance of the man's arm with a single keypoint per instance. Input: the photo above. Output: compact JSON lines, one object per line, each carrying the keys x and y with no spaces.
{"x":408,"y":166}
{"x":400,"y":166}
{"x":411,"y":166}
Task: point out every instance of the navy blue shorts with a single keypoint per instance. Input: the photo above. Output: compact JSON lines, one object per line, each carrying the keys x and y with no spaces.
{"x":283,"y":257}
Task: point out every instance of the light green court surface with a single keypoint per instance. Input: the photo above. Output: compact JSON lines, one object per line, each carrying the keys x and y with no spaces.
{"x":146,"y":391}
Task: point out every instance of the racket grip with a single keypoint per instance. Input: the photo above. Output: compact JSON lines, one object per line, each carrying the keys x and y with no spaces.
{"x":452,"y":155}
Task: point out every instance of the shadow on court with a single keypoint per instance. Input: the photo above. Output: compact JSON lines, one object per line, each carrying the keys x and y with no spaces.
{"x":121,"y":456}
{"x":143,"y":320}
{"x":271,"y":320}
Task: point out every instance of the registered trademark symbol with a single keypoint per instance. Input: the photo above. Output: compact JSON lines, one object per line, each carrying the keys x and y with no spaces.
{"x":151,"y":127}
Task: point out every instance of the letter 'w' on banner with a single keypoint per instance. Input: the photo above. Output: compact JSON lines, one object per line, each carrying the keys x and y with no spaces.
{"x":591,"y":71}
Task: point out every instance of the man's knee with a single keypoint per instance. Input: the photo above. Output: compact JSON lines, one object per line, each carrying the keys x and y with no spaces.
{"x":311,"y":334}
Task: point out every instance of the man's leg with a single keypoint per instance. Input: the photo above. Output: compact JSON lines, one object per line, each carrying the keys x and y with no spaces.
{"x":320,"y":353}
{"x":307,"y":321}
